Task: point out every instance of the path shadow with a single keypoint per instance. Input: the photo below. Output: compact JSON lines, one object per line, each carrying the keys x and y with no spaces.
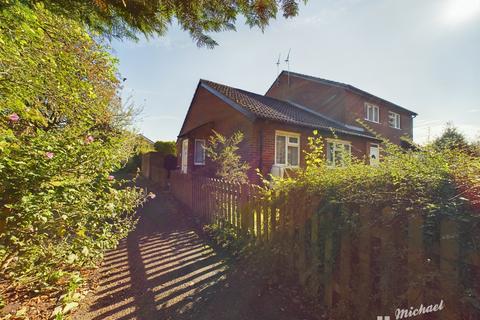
{"x":164,"y":270}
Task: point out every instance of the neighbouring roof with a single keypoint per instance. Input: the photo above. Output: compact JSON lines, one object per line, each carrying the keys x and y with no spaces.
{"x":256,"y":106}
{"x":142,"y":136}
{"x":347,"y":87}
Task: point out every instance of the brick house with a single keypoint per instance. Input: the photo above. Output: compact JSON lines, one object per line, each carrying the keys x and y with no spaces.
{"x":276,"y":125}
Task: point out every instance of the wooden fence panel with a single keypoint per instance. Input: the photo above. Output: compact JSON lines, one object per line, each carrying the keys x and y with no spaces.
{"x":366,"y":267}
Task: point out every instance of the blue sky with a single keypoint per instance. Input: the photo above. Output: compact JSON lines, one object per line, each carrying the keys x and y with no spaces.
{"x":423,"y":55}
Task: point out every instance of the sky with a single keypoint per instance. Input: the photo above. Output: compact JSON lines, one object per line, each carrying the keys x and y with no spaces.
{"x":423,"y":55}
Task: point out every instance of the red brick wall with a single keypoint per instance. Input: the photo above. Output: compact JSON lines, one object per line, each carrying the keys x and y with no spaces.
{"x":258,"y":147}
{"x":340,"y":104}
{"x":209,"y":112}
{"x":326,"y":100}
{"x":356,"y":110}
{"x":360,"y":146}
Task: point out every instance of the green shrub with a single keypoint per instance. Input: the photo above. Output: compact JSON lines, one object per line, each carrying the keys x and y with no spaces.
{"x":166,"y":147}
{"x":429,"y":179}
{"x":223,"y":152}
{"x":63,"y":131}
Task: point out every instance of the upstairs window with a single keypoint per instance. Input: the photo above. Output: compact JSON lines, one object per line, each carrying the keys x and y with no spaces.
{"x":199,"y":152}
{"x":287,"y":149}
{"x":338,"y":153}
{"x":372,"y":113}
{"x":394,"y":120}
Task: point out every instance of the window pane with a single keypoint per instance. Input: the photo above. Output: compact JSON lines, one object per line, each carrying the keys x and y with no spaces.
{"x":293,"y":140}
{"x":330,"y":152}
{"x":280,"y":149}
{"x":199,"y":152}
{"x":292,"y":156}
{"x":375,"y":118}
{"x":391,"y":119}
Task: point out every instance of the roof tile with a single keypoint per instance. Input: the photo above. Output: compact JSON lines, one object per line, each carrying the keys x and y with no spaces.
{"x":264,"y":107}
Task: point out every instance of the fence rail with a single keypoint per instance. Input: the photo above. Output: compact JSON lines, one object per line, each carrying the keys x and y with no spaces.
{"x":370,"y":265}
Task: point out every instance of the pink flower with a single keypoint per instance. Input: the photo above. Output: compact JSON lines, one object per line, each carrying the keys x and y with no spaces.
{"x":13,"y":117}
{"x":110,"y":177}
{"x":49,"y":155}
{"x":89,"y":139}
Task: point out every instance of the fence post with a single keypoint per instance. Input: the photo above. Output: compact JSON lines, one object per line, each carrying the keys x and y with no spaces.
{"x":345,"y":270}
{"x":449,"y":268}
{"x":415,"y":256}
{"x":364,"y":248}
{"x":386,"y":258}
{"x":315,"y":279}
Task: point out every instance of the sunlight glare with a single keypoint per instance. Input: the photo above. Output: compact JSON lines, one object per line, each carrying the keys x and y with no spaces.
{"x":459,"y":11}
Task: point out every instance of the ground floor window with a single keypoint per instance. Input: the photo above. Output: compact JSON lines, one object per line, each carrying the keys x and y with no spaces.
{"x":287,"y":149}
{"x":199,"y":152}
{"x":338,"y":152}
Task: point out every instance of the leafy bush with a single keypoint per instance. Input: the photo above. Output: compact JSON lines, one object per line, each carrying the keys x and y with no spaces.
{"x":428,"y":179}
{"x":63,"y":130}
{"x":166,"y":147}
{"x":223,"y":152}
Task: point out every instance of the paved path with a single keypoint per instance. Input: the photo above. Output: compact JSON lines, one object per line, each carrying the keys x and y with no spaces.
{"x":164,"y":270}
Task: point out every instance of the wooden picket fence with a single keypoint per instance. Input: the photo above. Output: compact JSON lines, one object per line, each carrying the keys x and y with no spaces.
{"x":359,"y":270}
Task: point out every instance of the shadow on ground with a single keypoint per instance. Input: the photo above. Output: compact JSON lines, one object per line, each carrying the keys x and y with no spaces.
{"x":164,"y":270}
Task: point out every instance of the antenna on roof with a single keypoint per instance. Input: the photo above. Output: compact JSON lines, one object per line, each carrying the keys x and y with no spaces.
{"x":278,"y":67}
{"x":287,"y":61}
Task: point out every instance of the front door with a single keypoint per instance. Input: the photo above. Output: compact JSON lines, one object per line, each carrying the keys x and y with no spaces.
{"x":374,"y":154}
{"x":184,"y":155}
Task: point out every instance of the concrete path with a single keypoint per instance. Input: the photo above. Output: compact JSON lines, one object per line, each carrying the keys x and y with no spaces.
{"x":164,"y":270}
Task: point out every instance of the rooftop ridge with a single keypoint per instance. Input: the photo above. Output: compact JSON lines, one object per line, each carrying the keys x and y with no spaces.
{"x":254,"y":105}
{"x":342,"y":85}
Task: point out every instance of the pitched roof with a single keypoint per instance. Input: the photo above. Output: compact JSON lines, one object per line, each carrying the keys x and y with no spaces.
{"x":347,"y":87}
{"x":256,"y":106}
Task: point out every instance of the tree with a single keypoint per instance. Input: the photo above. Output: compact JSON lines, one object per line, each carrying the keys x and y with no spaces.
{"x":128,"y":18}
{"x":223,"y":152}
{"x":166,"y":147}
{"x":451,"y":138}
{"x":63,"y":130}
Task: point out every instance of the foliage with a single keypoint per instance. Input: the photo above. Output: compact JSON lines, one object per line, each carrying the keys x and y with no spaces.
{"x":63,"y":130}
{"x":451,"y":138}
{"x":166,"y":147}
{"x":223,"y":152}
{"x":128,"y":18}
{"x":428,"y":180}
{"x":227,"y":238}
{"x":435,"y":184}
{"x":133,"y":164}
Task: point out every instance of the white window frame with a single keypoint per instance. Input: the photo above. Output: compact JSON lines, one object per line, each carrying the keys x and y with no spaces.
{"x":374,"y":107}
{"x":195,"y":153}
{"x":394,"y":120}
{"x":287,"y":135}
{"x":335,"y":143}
